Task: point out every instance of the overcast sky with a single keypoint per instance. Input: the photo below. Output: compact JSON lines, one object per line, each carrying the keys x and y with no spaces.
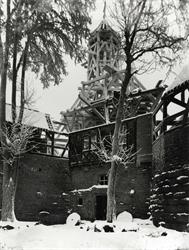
{"x":60,"y":98}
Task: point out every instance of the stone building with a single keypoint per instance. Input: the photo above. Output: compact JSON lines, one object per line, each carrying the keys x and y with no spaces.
{"x":90,"y":175}
{"x":170,"y":182}
{"x":65,"y":174}
{"x":91,"y":119}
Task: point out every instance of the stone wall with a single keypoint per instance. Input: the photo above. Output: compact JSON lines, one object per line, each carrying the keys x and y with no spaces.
{"x":144,"y":139}
{"x":42,"y":182}
{"x":133,"y":183}
{"x":48,"y":184}
{"x":170,"y":192}
{"x":132,"y":190}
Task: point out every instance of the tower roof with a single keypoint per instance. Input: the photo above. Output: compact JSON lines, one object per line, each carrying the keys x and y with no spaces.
{"x":104,"y":26}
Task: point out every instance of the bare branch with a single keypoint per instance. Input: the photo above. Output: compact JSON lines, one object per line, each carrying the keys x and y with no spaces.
{"x":18,"y":141}
{"x":103,"y":149}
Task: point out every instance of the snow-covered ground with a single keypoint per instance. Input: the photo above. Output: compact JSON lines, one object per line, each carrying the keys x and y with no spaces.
{"x":138,"y":235}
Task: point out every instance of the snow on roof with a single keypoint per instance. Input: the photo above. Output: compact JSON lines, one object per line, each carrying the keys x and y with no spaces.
{"x":180,"y":79}
{"x":31,"y":117}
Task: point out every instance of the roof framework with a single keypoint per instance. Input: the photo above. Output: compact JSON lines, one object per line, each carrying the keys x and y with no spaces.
{"x":173,"y":109}
{"x":98,"y":96}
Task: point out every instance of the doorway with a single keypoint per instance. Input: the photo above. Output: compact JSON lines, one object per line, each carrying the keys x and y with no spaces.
{"x":101,"y":203}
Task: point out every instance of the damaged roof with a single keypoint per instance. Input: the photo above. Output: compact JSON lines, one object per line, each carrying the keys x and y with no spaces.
{"x":32,"y":118}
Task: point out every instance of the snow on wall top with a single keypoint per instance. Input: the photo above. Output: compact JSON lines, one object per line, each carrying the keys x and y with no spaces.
{"x":180,"y":78}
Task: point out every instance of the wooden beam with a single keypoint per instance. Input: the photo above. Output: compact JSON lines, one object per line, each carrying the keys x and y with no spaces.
{"x":185,"y":117}
{"x":94,"y":109}
{"x":94,"y":80}
{"x":67,"y":122}
{"x":171,"y":118}
{"x":146,"y":92}
{"x":60,"y":123}
{"x":52,"y":145}
{"x":73,"y":121}
{"x":64,"y":150}
{"x":134,"y":111}
{"x":178,"y":102}
{"x":156,"y":102}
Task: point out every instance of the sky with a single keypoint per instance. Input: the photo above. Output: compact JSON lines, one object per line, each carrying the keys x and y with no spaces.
{"x":61,"y":97}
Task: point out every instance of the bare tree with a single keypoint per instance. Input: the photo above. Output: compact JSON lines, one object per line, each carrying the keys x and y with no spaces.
{"x":18,"y":140}
{"x":152,"y":32}
{"x":125,"y":155}
{"x":37,"y":36}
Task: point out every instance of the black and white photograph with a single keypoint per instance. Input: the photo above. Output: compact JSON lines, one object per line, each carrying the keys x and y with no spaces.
{"x":94,"y":124}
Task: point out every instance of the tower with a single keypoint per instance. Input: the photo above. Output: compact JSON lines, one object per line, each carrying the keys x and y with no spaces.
{"x":103,"y":49}
{"x":98,"y":95}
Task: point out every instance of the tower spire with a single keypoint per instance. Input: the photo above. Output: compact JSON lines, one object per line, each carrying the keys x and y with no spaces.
{"x":104,"y":10}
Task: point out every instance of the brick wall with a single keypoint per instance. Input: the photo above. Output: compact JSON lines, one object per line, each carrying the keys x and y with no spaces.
{"x":170,"y":192}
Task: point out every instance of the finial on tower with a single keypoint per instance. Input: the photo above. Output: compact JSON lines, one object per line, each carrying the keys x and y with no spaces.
{"x":104,"y":10}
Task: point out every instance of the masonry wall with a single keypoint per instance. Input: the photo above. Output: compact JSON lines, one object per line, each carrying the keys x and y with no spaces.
{"x":170,"y":192}
{"x":132,"y":190}
{"x":133,"y":183}
{"x":42,"y":181}
{"x":49,"y":184}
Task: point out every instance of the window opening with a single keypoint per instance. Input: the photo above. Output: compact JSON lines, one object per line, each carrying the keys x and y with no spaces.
{"x":80,"y":201}
{"x":103,"y":180}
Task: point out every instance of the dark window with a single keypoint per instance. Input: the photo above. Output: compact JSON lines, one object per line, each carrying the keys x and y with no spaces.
{"x":80,"y":201}
{"x":103,"y":180}
{"x":101,"y":204}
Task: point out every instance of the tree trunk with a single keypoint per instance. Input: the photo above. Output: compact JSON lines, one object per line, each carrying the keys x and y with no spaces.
{"x":4,"y":68}
{"x":22,"y":94}
{"x":10,"y":177}
{"x":8,"y":193}
{"x":111,"y":201}
{"x":15,"y":68}
{"x":14,"y":77}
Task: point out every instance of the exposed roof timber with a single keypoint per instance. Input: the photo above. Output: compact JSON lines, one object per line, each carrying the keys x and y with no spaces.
{"x":68,"y":126}
{"x":32,"y":118}
{"x":94,"y":80}
{"x":59,"y":123}
{"x":185,"y":117}
{"x":111,"y":123}
{"x":176,"y":89}
{"x":101,"y":102}
{"x":133,"y":112}
{"x":146,"y":92}
{"x":112,"y":71}
{"x":88,"y":109}
{"x":156,"y":101}
{"x":94,"y":109}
